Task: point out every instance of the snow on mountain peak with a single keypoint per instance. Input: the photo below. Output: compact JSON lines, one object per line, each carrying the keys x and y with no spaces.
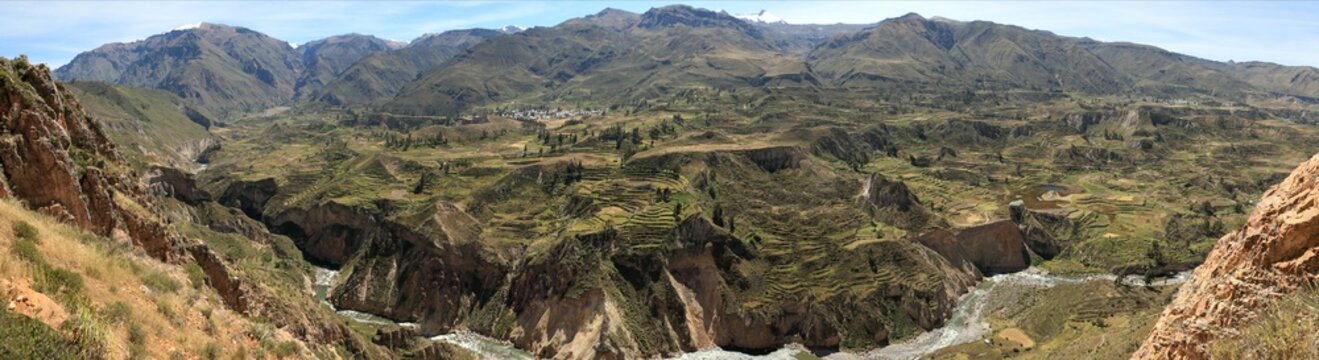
{"x":191,"y":26}
{"x":762,"y":17}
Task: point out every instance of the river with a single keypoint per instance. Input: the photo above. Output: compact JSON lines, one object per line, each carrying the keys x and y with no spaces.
{"x":486,"y":347}
{"x":964,"y":325}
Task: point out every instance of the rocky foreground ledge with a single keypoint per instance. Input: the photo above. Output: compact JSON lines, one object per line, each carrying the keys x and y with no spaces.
{"x":1275,"y":253}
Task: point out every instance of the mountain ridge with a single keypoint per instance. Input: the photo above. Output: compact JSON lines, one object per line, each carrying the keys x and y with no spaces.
{"x":909,"y":48}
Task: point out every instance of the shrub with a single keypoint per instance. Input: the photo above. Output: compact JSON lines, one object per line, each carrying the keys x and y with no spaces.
{"x":26,"y":338}
{"x":285,"y":349}
{"x":26,"y":250}
{"x":89,"y":333}
{"x":160,"y":282}
{"x":169,"y":313}
{"x":61,"y":282}
{"x":211,"y":351}
{"x":65,"y":285}
{"x":195,"y":275}
{"x":25,"y":231}
{"x":117,"y":312}
{"x":137,"y":341}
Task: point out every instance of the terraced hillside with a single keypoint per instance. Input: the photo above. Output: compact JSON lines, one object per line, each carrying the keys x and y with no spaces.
{"x":700,"y":214}
{"x":629,"y":185}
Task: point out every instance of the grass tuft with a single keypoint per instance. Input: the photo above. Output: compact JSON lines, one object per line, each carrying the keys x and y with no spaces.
{"x":160,"y":282}
{"x":1289,"y":330}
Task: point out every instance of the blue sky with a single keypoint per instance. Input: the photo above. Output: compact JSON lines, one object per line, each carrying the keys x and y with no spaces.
{"x":1283,"y":32}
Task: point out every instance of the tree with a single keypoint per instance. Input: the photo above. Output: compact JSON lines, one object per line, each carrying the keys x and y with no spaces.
{"x":677,"y":212}
{"x":718,"y":216}
{"x":1207,"y":208}
{"x":422,"y":183}
{"x":1155,"y":254}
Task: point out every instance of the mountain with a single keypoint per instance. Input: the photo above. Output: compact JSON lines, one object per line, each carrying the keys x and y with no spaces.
{"x":1296,"y":80}
{"x":222,"y":68}
{"x":380,"y":75}
{"x":1275,"y":254}
{"x":323,"y":60}
{"x":799,"y":39}
{"x":912,"y":48}
{"x":617,"y":56}
{"x":608,"y":57}
{"x":942,"y":52}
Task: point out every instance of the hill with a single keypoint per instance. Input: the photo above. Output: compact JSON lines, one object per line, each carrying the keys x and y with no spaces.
{"x":150,"y":127}
{"x":379,"y":76}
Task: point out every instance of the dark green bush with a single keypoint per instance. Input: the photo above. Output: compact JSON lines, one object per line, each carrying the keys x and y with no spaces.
{"x":26,"y":250}
{"x":25,"y":231}
{"x":26,"y":338}
{"x":195,"y":275}
{"x":137,"y":341}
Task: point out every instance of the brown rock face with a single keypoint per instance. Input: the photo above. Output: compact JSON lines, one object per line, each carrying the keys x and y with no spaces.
{"x":178,"y":184}
{"x":56,"y":158}
{"x":1273,"y":254}
{"x":328,"y":233}
{"x":430,"y":272}
{"x":250,"y":196}
{"x":945,"y":243}
{"x":993,"y":248}
{"x":1042,"y":230}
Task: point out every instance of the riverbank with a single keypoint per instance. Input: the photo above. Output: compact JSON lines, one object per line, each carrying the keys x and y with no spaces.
{"x":994,"y":304}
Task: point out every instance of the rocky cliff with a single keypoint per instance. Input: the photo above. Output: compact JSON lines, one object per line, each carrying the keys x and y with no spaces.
{"x":55,"y":157}
{"x":1274,"y":253}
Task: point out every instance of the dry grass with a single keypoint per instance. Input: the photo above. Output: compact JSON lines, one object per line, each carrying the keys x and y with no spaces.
{"x":138,"y":302}
{"x":1288,"y":330}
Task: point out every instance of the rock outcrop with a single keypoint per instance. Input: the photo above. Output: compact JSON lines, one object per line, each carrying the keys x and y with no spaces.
{"x":328,"y":233}
{"x":178,"y":184}
{"x":430,"y":271}
{"x":993,"y":248}
{"x":55,"y":158}
{"x":892,"y":201}
{"x":1046,"y":233}
{"x":250,"y":196}
{"x":1275,"y":253}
